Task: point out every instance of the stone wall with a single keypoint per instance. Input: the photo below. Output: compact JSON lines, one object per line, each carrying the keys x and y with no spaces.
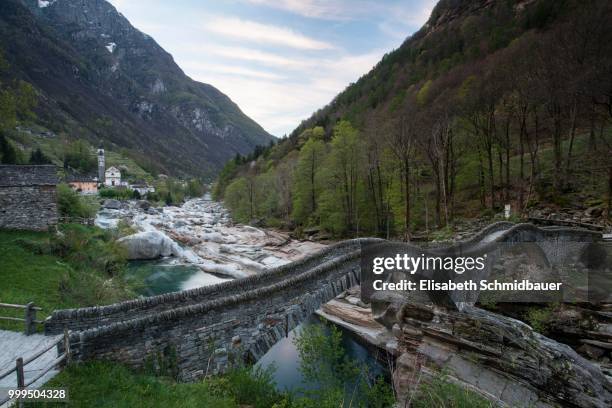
{"x":28,"y":207}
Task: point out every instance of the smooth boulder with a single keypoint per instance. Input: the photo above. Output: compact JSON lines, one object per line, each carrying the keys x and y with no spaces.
{"x":112,"y":204}
{"x":148,"y":245}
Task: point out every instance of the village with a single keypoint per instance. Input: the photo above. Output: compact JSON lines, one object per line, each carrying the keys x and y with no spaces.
{"x":106,"y":178}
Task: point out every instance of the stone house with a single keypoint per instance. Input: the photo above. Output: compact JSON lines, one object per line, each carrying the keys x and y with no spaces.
{"x":28,"y":198}
{"x":84,"y":186}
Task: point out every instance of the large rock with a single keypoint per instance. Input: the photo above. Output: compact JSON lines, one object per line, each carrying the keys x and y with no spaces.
{"x":149,"y":245}
{"x":502,"y":358}
{"x":112,"y":204}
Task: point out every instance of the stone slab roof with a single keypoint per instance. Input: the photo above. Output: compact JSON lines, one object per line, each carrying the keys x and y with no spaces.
{"x":16,"y":175}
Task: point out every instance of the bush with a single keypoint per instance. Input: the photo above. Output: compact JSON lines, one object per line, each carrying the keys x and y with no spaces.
{"x":116,"y":193}
{"x":71,"y":204}
{"x":251,"y":386}
{"x":324,"y":362}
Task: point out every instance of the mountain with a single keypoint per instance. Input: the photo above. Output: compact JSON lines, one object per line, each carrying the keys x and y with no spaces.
{"x":101,"y":79}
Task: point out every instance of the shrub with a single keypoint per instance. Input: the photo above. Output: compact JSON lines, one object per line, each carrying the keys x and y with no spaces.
{"x":71,"y":204}
{"x":248,"y":385}
{"x":324,"y":362}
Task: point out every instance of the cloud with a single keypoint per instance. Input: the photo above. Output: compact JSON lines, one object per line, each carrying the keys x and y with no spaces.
{"x":247,"y":54}
{"x":230,"y":70}
{"x":263,"y":33}
{"x":280,"y":105}
{"x":322,"y":9}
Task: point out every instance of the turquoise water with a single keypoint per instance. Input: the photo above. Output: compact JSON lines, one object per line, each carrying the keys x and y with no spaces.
{"x":156,"y":277}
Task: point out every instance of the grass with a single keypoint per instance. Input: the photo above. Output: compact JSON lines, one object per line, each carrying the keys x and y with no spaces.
{"x":103,"y":384}
{"x":440,"y":393}
{"x":81,"y":266}
{"x":28,"y":277}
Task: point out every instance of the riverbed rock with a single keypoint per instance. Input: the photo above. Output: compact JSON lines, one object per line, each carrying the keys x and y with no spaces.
{"x":143,"y":204}
{"x":148,"y":245}
{"x":111,"y":204}
{"x":501,"y":358}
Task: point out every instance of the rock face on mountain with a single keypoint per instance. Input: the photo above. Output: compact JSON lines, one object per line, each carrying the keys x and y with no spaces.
{"x":100,"y":78}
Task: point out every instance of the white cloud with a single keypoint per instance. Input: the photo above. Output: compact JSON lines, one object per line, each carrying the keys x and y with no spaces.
{"x":280,"y":105}
{"x":263,"y":33}
{"x":229,"y":70}
{"x":323,"y":9}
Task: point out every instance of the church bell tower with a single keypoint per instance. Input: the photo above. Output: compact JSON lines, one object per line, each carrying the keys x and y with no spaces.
{"x":101,"y":165}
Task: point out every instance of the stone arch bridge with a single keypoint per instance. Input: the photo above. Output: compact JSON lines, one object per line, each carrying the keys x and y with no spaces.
{"x":206,"y":327}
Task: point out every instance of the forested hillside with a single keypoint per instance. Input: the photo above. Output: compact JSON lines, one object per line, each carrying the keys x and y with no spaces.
{"x":490,"y":103}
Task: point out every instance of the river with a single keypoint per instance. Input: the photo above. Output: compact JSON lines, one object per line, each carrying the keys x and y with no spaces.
{"x":212,"y":249}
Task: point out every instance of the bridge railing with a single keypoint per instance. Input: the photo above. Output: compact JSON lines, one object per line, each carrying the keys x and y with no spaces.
{"x":29,"y":316}
{"x":20,"y":363}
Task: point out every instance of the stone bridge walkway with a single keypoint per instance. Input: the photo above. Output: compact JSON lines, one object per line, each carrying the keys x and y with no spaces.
{"x":14,"y":345}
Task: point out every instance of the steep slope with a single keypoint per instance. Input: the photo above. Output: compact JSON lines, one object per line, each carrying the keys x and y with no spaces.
{"x":100,"y":78}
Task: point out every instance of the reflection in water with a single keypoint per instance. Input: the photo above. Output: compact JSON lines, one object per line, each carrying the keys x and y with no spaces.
{"x":285,"y":358}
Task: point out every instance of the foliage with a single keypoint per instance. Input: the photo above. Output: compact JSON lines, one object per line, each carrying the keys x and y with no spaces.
{"x":323,"y":361}
{"x":253,"y":386}
{"x":117,"y":193}
{"x":78,"y":155}
{"x":104,"y":384}
{"x":38,"y":157}
{"x":71,"y":204}
{"x":8,"y":154}
{"x":539,"y":317}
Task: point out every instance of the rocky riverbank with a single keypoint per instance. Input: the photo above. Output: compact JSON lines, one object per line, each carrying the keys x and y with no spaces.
{"x":201,"y":233}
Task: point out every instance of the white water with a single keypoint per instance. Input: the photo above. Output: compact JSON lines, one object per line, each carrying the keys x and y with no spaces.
{"x":205,"y":236}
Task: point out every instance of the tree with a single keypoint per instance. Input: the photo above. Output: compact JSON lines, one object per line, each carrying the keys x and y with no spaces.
{"x":8,"y":154}
{"x":306,"y":183}
{"x":346,"y":156}
{"x":38,"y":157}
{"x":401,"y":140}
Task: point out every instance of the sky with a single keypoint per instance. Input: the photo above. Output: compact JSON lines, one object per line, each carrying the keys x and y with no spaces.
{"x":279,"y":60}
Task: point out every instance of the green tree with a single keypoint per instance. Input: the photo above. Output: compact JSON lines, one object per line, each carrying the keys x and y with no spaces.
{"x":239,"y":199}
{"x":79,"y":155}
{"x":8,"y":154}
{"x":38,"y":157}
{"x":306,"y":183}
{"x":339,"y":200}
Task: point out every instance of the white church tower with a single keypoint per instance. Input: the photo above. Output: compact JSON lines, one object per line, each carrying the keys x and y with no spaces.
{"x":101,"y":165}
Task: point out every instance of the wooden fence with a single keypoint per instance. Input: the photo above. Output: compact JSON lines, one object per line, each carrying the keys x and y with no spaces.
{"x":29,"y":316}
{"x":20,"y":363}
